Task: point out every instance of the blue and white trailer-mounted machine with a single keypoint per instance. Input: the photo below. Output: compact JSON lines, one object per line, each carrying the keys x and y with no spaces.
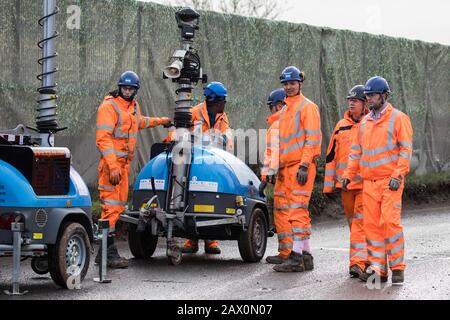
{"x":192,"y":188}
{"x":45,"y":206}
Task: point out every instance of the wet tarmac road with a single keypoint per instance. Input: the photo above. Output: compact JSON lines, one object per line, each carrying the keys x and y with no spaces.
{"x":225,"y":276}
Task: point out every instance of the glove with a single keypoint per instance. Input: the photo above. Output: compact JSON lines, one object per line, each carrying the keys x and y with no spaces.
{"x":114,"y":176}
{"x":394,"y":184}
{"x":345,"y":183}
{"x":166,"y":122}
{"x":271,"y":179}
{"x":302,"y":175}
{"x":262,"y":186}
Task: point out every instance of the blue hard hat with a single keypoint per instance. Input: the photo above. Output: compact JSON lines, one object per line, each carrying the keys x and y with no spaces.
{"x":291,"y":73}
{"x":276,"y":96}
{"x":376,"y":84}
{"x":129,"y":78}
{"x":214,"y":90}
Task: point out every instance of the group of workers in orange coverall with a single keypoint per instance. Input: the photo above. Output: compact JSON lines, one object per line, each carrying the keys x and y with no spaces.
{"x":367,"y":160}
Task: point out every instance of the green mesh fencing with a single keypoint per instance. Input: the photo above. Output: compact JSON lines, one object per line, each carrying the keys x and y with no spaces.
{"x":246,"y":54}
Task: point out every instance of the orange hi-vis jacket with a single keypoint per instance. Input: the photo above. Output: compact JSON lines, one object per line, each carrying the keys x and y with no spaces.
{"x":272,"y":151}
{"x":200,"y":119}
{"x":382,"y":148}
{"x":338,"y":153}
{"x":300,"y":135}
{"x":118,"y":122}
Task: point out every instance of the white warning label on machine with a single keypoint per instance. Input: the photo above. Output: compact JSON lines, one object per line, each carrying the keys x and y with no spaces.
{"x":146,"y":184}
{"x":210,"y":186}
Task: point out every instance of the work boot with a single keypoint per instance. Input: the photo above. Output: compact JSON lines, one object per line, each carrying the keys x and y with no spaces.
{"x":190,"y":246}
{"x":368,"y":274}
{"x":355,"y":271}
{"x":293,"y":264}
{"x":212,"y":247}
{"x":114,"y":260}
{"x":112,"y":255}
{"x":308,"y":261}
{"x":278,"y":259}
{"x":398,"y":276}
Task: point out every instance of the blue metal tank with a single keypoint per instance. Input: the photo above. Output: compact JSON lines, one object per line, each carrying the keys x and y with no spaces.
{"x":212,"y":170}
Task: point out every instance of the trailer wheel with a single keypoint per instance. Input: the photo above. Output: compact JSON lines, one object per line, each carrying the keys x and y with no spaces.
{"x":40,"y":265}
{"x":69,"y":257}
{"x":252,"y":242}
{"x":176,"y":257}
{"x":142,"y":244}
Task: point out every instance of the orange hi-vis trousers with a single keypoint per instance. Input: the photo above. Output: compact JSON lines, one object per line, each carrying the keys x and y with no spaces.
{"x":352,"y":202}
{"x":384,"y":232}
{"x":112,"y":198}
{"x":291,"y":200}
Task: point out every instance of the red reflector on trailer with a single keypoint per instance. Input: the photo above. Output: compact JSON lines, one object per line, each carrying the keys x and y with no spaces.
{"x":5,"y":221}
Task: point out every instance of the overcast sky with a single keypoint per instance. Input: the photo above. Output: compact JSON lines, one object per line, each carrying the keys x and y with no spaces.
{"x":418,"y":20}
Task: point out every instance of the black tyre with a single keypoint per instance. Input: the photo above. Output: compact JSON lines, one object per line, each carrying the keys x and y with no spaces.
{"x":142,"y":244}
{"x":40,"y":265}
{"x":69,"y":257}
{"x":176,"y":257}
{"x":252,"y":243}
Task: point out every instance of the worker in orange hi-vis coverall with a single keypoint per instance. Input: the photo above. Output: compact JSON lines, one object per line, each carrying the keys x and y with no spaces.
{"x":336,"y":162}
{"x":300,"y":140}
{"x":270,"y":169}
{"x":381,"y":153}
{"x":118,"y":121}
{"x":209,"y":117}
